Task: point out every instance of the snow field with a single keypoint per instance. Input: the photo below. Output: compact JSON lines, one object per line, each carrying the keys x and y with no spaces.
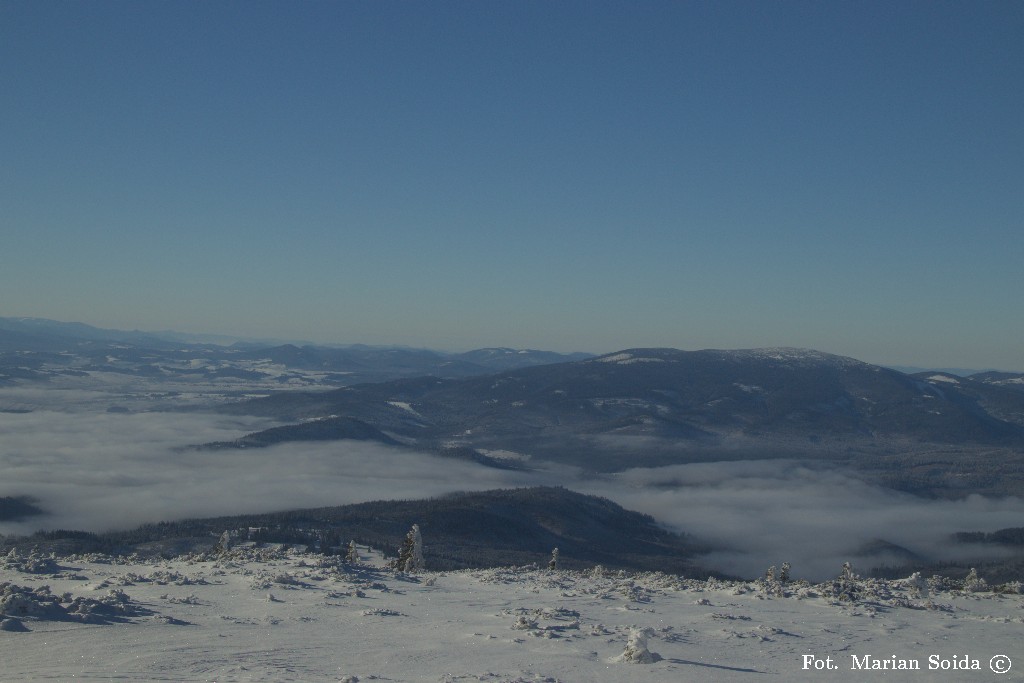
{"x":270,"y":615}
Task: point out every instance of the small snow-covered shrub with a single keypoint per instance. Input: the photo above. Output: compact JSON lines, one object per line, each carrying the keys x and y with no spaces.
{"x":524,"y":623}
{"x":286,"y":579}
{"x":636,"y":651}
{"x":846,"y":586}
{"x":33,"y":563}
{"x":973,"y":583}
{"x":381,"y":612}
{"x":19,"y":601}
{"x":918,"y":585}
{"x":770,"y":584}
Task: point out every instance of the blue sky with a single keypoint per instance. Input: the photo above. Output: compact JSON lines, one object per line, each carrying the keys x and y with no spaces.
{"x":847,"y":176}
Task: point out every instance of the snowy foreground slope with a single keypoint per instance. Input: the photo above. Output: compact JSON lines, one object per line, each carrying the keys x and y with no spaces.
{"x":274,"y":615}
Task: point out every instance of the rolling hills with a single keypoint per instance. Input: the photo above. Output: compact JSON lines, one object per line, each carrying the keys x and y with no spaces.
{"x":651,"y":407}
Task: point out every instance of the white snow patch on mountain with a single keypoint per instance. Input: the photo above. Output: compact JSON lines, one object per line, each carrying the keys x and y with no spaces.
{"x":796,"y":356}
{"x":614,"y":358}
{"x":628,"y":359}
{"x":501,"y":454}
{"x":406,"y":407}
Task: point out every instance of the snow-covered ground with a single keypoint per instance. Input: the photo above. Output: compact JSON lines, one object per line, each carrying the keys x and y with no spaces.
{"x":273,"y":615}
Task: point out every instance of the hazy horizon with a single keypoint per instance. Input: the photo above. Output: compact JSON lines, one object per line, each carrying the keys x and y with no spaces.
{"x":218,"y":338}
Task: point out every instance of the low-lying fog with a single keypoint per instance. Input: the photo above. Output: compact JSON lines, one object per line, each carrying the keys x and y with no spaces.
{"x":94,"y":470}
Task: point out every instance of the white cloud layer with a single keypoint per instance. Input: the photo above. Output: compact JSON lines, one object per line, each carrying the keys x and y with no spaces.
{"x":101,"y":471}
{"x":768,"y":512}
{"x":96,"y":471}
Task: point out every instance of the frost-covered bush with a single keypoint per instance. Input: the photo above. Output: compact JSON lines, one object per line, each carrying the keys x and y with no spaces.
{"x":846,"y":586}
{"x":524,"y":623}
{"x":973,"y":583}
{"x":33,"y":563}
{"x":636,"y":651}
{"x":918,"y":585}
{"x":39,"y":603}
{"x":770,"y":584}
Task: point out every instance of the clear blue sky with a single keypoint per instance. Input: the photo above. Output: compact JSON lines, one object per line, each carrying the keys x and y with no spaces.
{"x":847,"y":176}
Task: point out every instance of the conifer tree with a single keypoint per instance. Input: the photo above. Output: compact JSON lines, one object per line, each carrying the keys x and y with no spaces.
{"x":415,"y":562}
{"x":410,"y":555}
{"x":404,"y":553}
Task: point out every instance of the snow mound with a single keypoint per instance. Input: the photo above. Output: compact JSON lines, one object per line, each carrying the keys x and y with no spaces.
{"x":20,"y":602}
{"x":636,"y":651}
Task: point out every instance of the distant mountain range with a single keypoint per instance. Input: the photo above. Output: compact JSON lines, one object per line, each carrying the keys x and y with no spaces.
{"x":931,"y":432}
{"x":697,"y":396}
{"x":649,"y":407}
{"x":40,"y":349}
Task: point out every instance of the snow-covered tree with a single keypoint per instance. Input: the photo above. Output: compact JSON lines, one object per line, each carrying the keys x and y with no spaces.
{"x":227,"y":540}
{"x":415,"y":562}
{"x":352,"y":554}
{"x":771,"y":584}
{"x":553,"y":563}
{"x":410,"y":555}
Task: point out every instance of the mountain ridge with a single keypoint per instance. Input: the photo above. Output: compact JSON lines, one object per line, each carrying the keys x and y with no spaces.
{"x":654,"y":407}
{"x":40,"y":349}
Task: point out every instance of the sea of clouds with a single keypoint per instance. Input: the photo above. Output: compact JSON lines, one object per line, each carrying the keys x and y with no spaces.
{"x":95,"y":470}
{"x":766,"y":512}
